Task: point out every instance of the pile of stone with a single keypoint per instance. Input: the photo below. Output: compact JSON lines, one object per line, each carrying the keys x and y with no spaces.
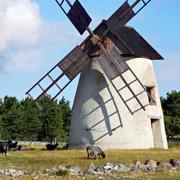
{"x":151,"y":165}
{"x":148,"y":166}
{"x":11,"y":172}
{"x":63,"y":170}
{"x":108,"y":168}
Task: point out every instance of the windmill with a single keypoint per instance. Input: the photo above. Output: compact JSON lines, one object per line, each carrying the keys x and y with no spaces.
{"x":108,"y":55}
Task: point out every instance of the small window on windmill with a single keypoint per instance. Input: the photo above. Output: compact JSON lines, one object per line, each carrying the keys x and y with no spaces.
{"x":151,"y":95}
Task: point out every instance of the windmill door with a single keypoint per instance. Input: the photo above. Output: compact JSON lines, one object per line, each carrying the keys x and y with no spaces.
{"x":155,"y":126}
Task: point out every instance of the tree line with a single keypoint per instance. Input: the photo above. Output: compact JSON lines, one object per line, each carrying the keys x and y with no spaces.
{"x":22,"y":120}
{"x":171,"y":109}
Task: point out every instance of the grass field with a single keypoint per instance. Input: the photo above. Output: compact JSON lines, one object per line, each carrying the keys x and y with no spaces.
{"x":39,"y":160}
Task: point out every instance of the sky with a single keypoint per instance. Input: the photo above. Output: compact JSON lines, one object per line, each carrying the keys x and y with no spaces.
{"x":35,"y":35}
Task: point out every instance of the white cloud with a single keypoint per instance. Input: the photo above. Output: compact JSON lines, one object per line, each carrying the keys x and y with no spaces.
{"x":20,"y":24}
{"x":24,"y":33}
{"x":57,"y":32}
{"x":23,"y":60}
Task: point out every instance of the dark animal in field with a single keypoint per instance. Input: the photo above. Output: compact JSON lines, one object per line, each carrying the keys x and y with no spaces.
{"x":19,"y":147}
{"x":93,"y":151}
{"x":4,"y":148}
{"x":51,"y":146}
{"x":12,"y":145}
{"x":9,"y":141}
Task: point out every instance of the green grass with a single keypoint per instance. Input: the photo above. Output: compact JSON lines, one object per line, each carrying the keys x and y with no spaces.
{"x":39,"y":160}
{"x":175,"y":145}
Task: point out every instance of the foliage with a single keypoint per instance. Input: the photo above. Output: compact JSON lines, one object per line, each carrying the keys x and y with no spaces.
{"x":171,"y":104}
{"x":52,"y":121}
{"x":172,"y":125}
{"x":1,"y":127}
{"x":21,"y":120}
{"x":66,"y":116}
{"x":33,"y":123}
{"x":171,"y":108}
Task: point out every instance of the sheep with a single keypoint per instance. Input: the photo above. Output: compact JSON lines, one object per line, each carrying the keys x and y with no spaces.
{"x":51,"y":146}
{"x":9,"y":141}
{"x":94,"y":151}
{"x":12,"y":145}
{"x":4,"y":147}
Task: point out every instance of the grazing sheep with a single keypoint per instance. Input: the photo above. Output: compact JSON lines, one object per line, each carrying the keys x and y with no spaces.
{"x":4,"y":147}
{"x":12,"y":145}
{"x":51,"y":146}
{"x":94,"y":151}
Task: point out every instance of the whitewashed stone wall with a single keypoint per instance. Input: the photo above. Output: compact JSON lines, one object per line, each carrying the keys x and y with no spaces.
{"x":100,"y":117}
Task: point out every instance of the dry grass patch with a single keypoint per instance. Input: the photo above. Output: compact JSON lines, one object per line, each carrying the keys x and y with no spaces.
{"x":38,"y":160}
{"x":41,"y":159}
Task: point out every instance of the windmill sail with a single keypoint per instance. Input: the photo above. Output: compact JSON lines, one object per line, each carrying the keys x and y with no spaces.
{"x":114,"y":64}
{"x":68,"y":68}
{"x":124,"y":14}
{"x":77,"y":15}
{"x":74,"y":62}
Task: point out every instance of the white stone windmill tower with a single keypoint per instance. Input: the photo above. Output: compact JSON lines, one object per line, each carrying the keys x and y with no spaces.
{"x":117,"y":103}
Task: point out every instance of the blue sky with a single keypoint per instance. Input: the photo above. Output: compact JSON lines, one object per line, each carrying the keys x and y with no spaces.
{"x":35,"y":35}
